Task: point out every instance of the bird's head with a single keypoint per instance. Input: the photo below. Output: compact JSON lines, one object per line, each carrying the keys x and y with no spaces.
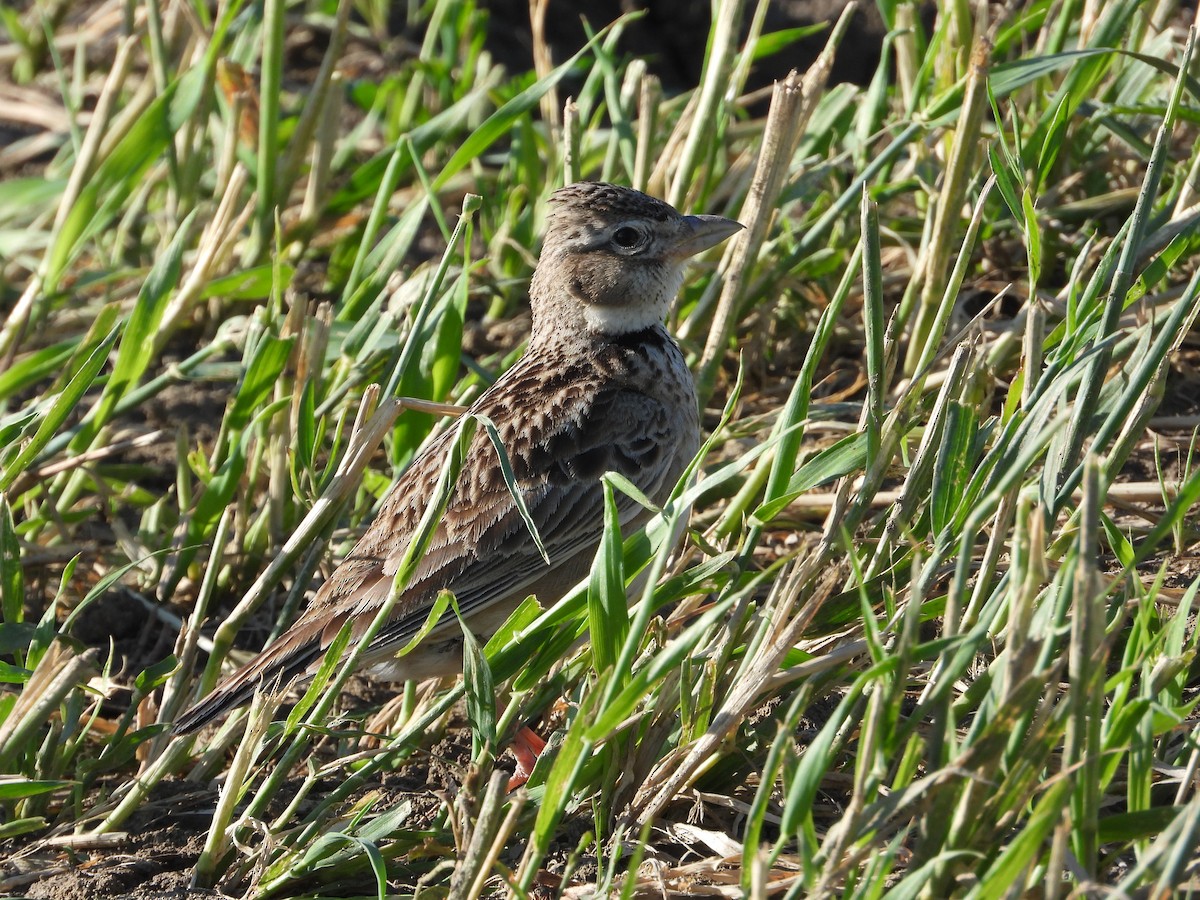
{"x":612,"y":261}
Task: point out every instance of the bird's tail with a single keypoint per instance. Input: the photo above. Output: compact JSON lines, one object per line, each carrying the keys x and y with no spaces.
{"x":273,"y":669}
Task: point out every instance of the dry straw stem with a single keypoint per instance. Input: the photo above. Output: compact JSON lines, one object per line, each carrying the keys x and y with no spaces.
{"x":230,"y":139}
{"x":218,"y":837}
{"x":950,"y":199}
{"x":213,"y":254}
{"x":570,"y":141}
{"x":649,"y":100}
{"x":489,"y":834}
{"x":942,"y":312}
{"x":673,"y":775}
{"x":88,"y":152}
{"x":543,"y":63}
{"x":784,"y":122}
{"x":56,"y":675}
{"x":25,"y":106}
{"x":792,"y":103}
{"x":905,"y":47}
{"x":323,"y":153}
{"x":1032,"y":352}
{"x":114,"y":450}
{"x":1125,"y":491}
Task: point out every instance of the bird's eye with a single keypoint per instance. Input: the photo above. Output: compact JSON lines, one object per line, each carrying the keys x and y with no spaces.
{"x":627,"y":237}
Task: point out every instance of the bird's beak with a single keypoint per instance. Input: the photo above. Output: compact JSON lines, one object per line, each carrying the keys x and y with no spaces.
{"x":701,"y":232}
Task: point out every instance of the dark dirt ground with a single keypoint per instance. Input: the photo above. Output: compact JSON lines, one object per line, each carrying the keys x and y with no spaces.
{"x":153,"y":859}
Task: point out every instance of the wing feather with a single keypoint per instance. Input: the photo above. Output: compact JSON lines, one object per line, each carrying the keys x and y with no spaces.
{"x":484,"y":551}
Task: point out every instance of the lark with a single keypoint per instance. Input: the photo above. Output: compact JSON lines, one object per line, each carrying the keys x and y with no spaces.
{"x":602,"y":387}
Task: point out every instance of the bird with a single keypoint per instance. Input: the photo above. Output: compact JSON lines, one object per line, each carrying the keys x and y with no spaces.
{"x":602,"y":386}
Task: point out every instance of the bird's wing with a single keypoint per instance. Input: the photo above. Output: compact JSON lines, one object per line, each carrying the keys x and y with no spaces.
{"x":483,"y":550}
{"x":560,"y":433}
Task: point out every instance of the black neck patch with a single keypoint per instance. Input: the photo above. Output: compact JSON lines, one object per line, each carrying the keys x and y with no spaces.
{"x":655,"y":335}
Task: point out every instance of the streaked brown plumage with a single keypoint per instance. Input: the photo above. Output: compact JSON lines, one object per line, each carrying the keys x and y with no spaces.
{"x":602,"y":387}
